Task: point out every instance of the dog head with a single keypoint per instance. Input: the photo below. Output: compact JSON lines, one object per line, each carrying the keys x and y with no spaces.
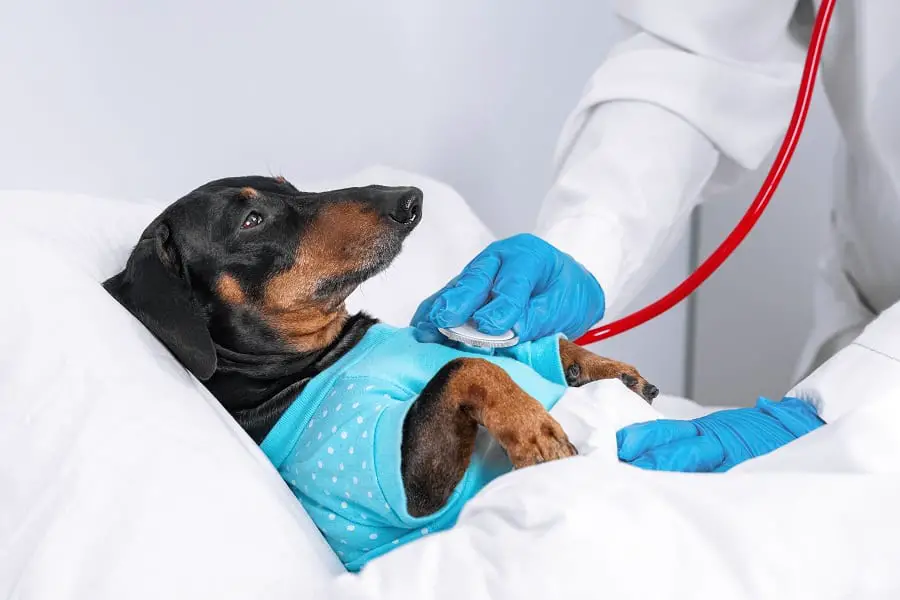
{"x":257,"y":266}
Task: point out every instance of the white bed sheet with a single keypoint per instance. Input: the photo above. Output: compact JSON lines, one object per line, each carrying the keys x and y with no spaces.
{"x":120,"y":476}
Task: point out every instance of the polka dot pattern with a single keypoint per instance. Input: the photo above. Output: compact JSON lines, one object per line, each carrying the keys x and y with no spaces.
{"x":350,"y":491}
{"x":336,"y":454}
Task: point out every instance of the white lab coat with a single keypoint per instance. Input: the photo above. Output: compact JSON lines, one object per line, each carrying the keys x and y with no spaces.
{"x":699,"y":92}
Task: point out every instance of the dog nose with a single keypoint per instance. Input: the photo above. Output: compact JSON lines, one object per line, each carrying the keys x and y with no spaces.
{"x":650,"y":391}
{"x":406,"y":206}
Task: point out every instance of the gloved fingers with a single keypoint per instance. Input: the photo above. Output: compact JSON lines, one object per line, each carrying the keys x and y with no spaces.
{"x":424,"y":309}
{"x":700,"y":454}
{"x":456,"y":303}
{"x":425,"y":331}
{"x":635,"y":440}
{"x":547,"y":315}
{"x":540,"y":318}
{"x":513,"y":287}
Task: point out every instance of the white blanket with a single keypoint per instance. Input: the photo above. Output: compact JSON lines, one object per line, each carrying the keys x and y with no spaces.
{"x":121,"y":477}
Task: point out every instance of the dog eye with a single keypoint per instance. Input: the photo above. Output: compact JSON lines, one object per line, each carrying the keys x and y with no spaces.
{"x":252,"y":220}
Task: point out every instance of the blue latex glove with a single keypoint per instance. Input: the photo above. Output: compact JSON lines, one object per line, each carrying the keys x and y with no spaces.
{"x":520,"y":283}
{"x":718,"y":441}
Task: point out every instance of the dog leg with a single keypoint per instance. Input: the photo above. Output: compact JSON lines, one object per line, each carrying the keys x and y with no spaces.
{"x":440,"y":428}
{"x":582,"y":366}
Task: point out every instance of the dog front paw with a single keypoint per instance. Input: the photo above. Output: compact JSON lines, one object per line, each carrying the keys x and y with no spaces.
{"x":542,"y":442}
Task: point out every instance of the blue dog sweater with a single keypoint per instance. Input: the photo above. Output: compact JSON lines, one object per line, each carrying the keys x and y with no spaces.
{"x":338,"y":444}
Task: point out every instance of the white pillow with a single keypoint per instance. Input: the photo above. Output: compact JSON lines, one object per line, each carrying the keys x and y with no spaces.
{"x":120,"y":475}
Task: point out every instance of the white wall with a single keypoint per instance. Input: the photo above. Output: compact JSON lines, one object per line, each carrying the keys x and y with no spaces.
{"x":153,"y":98}
{"x":754,"y":314}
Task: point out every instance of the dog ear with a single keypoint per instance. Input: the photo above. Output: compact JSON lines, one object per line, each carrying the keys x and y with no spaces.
{"x":152,"y":287}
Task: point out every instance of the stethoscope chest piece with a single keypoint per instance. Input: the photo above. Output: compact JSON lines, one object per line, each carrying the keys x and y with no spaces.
{"x":468,"y":334}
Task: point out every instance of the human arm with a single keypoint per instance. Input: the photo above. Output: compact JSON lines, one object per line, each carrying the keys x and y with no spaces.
{"x":694,"y":93}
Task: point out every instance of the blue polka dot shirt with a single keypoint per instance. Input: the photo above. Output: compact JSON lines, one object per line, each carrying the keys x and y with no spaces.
{"x":338,"y":444}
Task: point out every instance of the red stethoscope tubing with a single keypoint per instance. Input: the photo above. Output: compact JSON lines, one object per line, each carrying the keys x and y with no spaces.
{"x":748,"y":221}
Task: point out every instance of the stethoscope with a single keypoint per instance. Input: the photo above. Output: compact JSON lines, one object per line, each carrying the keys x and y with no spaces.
{"x":468,"y":334}
{"x":754,"y":212}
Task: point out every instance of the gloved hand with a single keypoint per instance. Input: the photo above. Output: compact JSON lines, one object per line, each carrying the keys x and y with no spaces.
{"x":520,"y":283}
{"x":718,"y":441}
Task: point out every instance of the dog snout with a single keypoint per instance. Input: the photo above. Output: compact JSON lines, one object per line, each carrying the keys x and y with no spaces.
{"x":404,"y":205}
{"x":650,"y":392}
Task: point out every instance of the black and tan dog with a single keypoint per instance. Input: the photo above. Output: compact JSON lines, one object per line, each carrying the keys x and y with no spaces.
{"x":244,"y":280}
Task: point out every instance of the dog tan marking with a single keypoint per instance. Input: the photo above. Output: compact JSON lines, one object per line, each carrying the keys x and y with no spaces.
{"x":230,"y":290}
{"x":280,"y":179}
{"x":582,"y":366}
{"x":516,"y":420}
{"x":248,"y":193}
{"x":308,"y":328}
{"x":340,"y":241}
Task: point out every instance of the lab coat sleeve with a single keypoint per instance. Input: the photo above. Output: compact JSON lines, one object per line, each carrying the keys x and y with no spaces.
{"x":695,"y":92}
{"x":865,"y":372}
